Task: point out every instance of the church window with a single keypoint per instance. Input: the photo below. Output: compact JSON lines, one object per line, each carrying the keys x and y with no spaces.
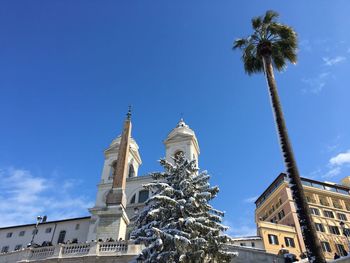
{"x":111,"y":170}
{"x":77,"y":226}
{"x":133,"y":199}
{"x":61,"y":237}
{"x":21,"y":234}
{"x":143,"y":196}
{"x":131,"y":171}
{"x":8,"y":235}
{"x":48,"y":230}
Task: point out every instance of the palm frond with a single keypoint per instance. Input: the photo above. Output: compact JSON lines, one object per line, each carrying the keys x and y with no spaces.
{"x":239,"y":43}
{"x":256,"y":22}
{"x":270,"y":16}
{"x":268,"y":38}
{"x":278,"y":58}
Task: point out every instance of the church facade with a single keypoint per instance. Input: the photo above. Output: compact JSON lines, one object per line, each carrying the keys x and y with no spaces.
{"x":120,"y":195}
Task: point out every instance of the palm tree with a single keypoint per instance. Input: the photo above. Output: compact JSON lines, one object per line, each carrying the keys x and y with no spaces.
{"x":270,"y":46}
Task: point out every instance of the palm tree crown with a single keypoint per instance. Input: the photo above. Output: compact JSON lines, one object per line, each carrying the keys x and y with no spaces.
{"x":270,"y":38}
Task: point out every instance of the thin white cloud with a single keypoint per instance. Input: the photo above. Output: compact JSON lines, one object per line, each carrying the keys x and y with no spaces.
{"x":24,"y":196}
{"x":341,"y":158}
{"x":332,"y":172}
{"x":250,"y":199}
{"x":333,"y":61}
{"x":337,"y":163}
{"x":316,"y":84}
{"x":240,"y":230}
{"x":305,"y":45}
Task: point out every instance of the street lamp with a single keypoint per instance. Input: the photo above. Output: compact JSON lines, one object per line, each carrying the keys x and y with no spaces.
{"x":39,"y":219}
{"x":345,"y":232}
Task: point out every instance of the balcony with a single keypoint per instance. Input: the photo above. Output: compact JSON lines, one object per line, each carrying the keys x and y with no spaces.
{"x":121,"y":249}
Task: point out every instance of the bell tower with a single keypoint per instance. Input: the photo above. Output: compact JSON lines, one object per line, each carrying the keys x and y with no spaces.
{"x":182,"y":139}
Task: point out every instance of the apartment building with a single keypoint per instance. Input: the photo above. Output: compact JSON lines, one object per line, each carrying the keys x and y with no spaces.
{"x":329,"y":206}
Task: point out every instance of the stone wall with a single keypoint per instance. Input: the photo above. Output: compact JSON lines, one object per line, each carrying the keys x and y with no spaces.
{"x":250,"y":255}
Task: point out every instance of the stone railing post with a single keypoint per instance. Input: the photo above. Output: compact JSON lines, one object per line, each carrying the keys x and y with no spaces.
{"x":60,"y":251}
{"x":94,"y":247}
{"x":56,"y":253}
{"x":27,"y":254}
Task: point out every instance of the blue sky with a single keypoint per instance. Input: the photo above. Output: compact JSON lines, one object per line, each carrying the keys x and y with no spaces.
{"x":69,"y":69}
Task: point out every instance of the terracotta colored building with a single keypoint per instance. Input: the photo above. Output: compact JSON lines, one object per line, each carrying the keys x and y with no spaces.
{"x":330,"y":208}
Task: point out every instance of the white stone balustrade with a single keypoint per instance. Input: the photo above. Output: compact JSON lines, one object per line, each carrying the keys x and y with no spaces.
{"x":41,"y":253}
{"x":67,"y":251}
{"x":75,"y":249}
{"x":113,"y":247}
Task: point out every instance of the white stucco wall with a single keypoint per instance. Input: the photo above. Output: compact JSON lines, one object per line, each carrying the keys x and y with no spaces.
{"x":56,"y":227}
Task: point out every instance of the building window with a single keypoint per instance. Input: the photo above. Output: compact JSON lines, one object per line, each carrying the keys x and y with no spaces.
{"x":325,"y":246}
{"x":18,"y":247}
{"x":334,"y":230}
{"x":347,"y":206}
{"x":341,"y":250}
{"x":342,"y":217}
{"x":273,"y":239}
{"x":8,"y":235}
{"x":347,"y":232}
{"x":21,"y":234}
{"x":323,"y":201}
{"x":253,"y":244}
{"x":329,"y":214}
{"x":35,"y":231}
{"x":61,"y":237}
{"x":319,"y":227}
{"x":337,"y":204}
{"x":131,"y":171}
{"x":310,"y":199}
{"x":278,"y":203}
{"x":5,"y":249}
{"x":289,"y":242}
{"x":143,"y":196}
{"x":132,"y":201}
{"x":77,"y":226}
{"x":314,"y":211}
{"x":242,"y":244}
{"x":48,"y":230}
{"x":111,"y":170}
{"x":281,"y":214}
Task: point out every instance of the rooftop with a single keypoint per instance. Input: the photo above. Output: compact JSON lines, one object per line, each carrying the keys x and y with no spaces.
{"x":282,"y":177}
{"x":47,"y":222}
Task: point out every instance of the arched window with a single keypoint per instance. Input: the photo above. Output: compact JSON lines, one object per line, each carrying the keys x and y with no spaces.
{"x":143,"y":196}
{"x":131,"y":171}
{"x":112,"y":169}
{"x":133,"y":199}
{"x":61,"y":237}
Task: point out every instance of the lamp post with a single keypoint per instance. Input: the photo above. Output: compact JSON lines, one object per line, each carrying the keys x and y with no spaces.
{"x":342,"y":225}
{"x":39,"y":219}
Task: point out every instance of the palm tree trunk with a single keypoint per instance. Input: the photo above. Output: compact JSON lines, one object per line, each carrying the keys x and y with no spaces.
{"x":308,"y":229}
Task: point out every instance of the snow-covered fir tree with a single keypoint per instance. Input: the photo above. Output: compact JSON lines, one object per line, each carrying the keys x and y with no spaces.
{"x":178,"y":224}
